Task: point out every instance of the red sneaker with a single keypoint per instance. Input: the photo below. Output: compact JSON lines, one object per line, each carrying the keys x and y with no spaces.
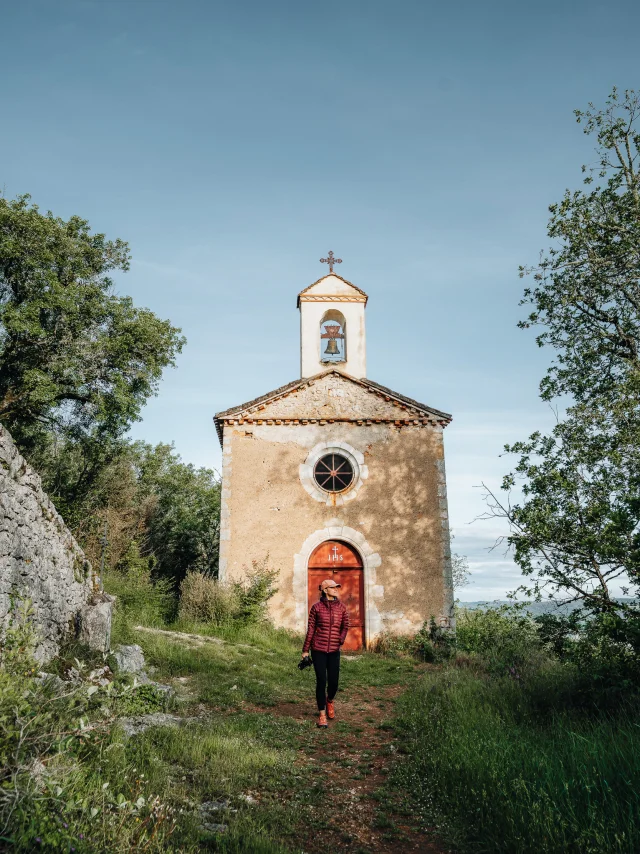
{"x":331,"y":710}
{"x":322,"y":719}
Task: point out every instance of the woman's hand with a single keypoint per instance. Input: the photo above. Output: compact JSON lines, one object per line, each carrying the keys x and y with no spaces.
{"x":304,"y":655}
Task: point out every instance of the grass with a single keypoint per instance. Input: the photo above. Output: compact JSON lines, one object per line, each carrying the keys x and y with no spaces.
{"x":104,"y":792}
{"x":255,"y":665}
{"x":495,"y":763}
{"x":494,"y":775}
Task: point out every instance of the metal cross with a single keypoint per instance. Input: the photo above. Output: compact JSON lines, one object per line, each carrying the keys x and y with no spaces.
{"x":330,"y":260}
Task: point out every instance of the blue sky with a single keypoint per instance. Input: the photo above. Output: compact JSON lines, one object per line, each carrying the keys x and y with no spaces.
{"x":234,"y":144}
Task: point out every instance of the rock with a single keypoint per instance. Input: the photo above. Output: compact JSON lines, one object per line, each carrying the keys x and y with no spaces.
{"x":129,"y":659}
{"x":95,"y":622}
{"x":215,"y":828}
{"x":209,"y":811}
{"x":140,"y":723}
{"x":40,"y":561}
{"x":73,"y":675}
{"x":37,"y":771}
{"x":167,"y":690}
{"x":100,"y":676}
{"x":50,"y":681}
{"x":248,"y":799}
{"x":214,"y":806}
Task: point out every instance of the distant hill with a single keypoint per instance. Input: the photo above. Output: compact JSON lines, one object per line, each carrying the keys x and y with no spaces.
{"x":548,"y":606}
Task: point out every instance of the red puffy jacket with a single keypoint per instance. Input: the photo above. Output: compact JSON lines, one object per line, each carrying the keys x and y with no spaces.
{"x":328,"y":626}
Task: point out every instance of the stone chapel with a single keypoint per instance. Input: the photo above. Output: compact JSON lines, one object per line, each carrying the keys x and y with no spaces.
{"x":333,"y":475}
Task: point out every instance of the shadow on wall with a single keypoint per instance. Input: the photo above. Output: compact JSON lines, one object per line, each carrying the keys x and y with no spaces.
{"x":400,"y":510}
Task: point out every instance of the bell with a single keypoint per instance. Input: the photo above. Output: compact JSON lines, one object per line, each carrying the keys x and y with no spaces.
{"x":332,"y":348}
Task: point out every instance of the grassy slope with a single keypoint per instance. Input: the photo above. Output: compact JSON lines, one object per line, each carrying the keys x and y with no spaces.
{"x":496,"y":772}
{"x":493,"y":769}
{"x":241,"y":745}
{"x":487,"y":761}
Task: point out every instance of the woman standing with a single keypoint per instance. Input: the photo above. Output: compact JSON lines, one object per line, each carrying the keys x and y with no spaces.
{"x":328,"y":627}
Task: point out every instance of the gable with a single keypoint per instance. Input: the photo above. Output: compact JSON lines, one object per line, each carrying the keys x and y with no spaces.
{"x":332,"y":288}
{"x":332,"y":396}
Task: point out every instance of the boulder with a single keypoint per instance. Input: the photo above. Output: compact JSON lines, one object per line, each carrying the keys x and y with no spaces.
{"x":128,"y":658}
{"x":42,"y":564}
{"x":140,"y":723}
{"x":95,"y":622}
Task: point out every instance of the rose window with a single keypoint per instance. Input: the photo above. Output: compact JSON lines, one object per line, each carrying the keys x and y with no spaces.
{"x":333,"y":473}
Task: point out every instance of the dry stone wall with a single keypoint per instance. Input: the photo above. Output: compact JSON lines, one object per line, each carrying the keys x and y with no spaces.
{"x":40,"y":561}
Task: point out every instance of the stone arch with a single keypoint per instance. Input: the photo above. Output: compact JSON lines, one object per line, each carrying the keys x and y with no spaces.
{"x":373,"y":592}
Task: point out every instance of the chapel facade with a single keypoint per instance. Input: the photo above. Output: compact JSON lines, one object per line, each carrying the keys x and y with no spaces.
{"x":333,"y":475}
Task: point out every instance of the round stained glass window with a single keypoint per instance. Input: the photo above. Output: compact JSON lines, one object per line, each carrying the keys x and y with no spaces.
{"x":333,"y":473}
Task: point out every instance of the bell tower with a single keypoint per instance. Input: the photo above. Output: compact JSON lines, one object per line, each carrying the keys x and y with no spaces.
{"x":332,"y":328}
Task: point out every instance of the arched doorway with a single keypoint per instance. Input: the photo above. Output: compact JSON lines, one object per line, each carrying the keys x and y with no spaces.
{"x":335,"y":559}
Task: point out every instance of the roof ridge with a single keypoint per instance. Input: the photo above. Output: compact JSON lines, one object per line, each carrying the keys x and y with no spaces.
{"x":303,"y":381}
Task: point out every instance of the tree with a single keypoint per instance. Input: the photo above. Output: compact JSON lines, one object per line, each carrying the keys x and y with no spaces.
{"x":587,"y":288}
{"x":577,"y":528}
{"x":182,"y":511}
{"x":460,"y":573}
{"x":77,"y":362}
{"x":153,"y":505}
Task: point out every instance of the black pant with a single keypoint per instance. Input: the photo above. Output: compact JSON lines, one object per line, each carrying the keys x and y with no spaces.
{"x":327,"y":667}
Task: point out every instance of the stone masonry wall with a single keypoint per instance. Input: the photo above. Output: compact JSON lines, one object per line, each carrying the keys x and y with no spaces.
{"x":398,"y":520}
{"x":41,"y":561}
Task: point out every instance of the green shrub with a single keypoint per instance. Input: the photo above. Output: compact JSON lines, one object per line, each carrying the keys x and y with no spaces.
{"x":430,"y":643}
{"x":18,"y":642}
{"x":140,"y":700}
{"x":139,"y":599}
{"x":608,"y":668}
{"x":560,"y":631}
{"x":206,"y":600}
{"x":603,"y":651}
{"x":506,"y":640}
{"x":62,"y":786}
{"x":393,"y":645}
{"x":255,"y":592}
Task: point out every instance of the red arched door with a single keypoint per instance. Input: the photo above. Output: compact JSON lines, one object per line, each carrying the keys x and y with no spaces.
{"x":333,"y":559}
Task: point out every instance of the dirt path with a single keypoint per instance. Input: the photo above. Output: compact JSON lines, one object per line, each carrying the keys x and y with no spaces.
{"x":353,"y":758}
{"x":351,"y":810}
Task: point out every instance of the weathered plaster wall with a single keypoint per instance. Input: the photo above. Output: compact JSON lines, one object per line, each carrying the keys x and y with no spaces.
{"x":41,"y":561}
{"x":399,"y":516}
